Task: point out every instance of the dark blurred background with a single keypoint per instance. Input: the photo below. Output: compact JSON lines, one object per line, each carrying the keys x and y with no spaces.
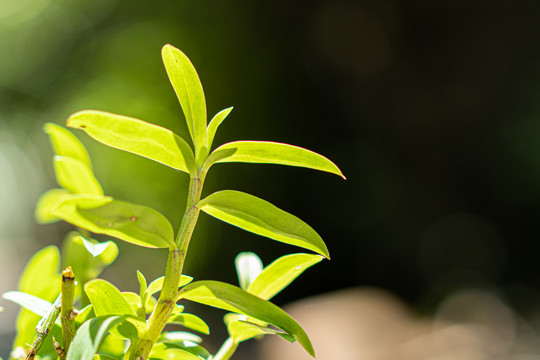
{"x":431,"y":110}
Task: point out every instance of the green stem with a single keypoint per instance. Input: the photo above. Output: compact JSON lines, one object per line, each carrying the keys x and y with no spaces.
{"x":67,"y":315}
{"x":140,"y":348}
{"x":227,"y":349}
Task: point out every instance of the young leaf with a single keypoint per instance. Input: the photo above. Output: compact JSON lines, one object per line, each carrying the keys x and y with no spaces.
{"x":232,"y":298}
{"x":267,"y":152}
{"x":241,"y":330}
{"x":187,"y":345}
{"x":46,"y":202}
{"x":89,"y":336}
{"x":157,"y":284}
{"x":162,"y":351}
{"x":75,"y":176}
{"x":30,"y":302}
{"x":260,"y":217}
{"x":214,"y":124}
{"x":136,"y":224}
{"x":191,"y":322}
{"x":189,"y":90}
{"x":276,"y":276}
{"x":66,"y":144}
{"x":248,"y":267}
{"x":143,"y":285}
{"x":107,"y":299}
{"x":137,"y":137}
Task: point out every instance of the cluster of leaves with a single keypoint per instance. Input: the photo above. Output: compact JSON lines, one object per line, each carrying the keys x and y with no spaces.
{"x":114,"y":324}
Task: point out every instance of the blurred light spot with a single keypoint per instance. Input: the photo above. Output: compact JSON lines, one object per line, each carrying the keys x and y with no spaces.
{"x":15,"y":12}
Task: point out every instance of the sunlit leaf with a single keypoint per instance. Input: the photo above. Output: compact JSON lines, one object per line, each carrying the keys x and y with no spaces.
{"x":30,"y":302}
{"x":46,"y":202}
{"x":76,"y":176}
{"x":260,"y":217}
{"x":84,"y":314}
{"x":189,"y":91}
{"x":248,"y":267}
{"x":89,"y":336}
{"x":243,"y":330}
{"x":157,"y":284}
{"x":179,"y":337}
{"x":276,"y":276}
{"x":190,"y":346}
{"x":267,"y":152}
{"x":214,"y":124}
{"x":67,"y":144}
{"x":136,"y":224}
{"x":143,"y":285}
{"x":137,"y":137}
{"x":190,"y":321}
{"x":232,"y":298}
{"x":133,"y":299}
{"x":165,"y":352}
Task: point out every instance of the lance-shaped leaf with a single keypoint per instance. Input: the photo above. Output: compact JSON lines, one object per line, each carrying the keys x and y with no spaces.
{"x":258,"y":216}
{"x":169,"y":351}
{"x":30,"y":302}
{"x":89,"y":337}
{"x":241,"y":330}
{"x":136,"y":136}
{"x":106,"y":299}
{"x":232,"y":298}
{"x":136,"y":224}
{"x":157,"y":284}
{"x":267,"y":152}
{"x":75,"y":176}
{"x":190,"y":321}
{"x":276,"y":276}
{"x":189,"y":90}
{"x":248,"y":267}
{"x":66,"y":144}
{"x":214,"y":124}
{"x":46,"y":203}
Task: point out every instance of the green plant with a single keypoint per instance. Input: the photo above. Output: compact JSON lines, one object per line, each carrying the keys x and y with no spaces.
{"x":107,"y":319}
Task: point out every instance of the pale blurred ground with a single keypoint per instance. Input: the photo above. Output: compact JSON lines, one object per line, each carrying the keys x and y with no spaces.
{"x":372,"y":324}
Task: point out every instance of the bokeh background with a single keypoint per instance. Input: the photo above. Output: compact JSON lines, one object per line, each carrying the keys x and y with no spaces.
{"x":431,"y":109}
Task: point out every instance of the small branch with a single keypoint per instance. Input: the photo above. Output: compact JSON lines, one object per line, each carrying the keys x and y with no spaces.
{"x":43,"y":328}
{"x":67,"y":314}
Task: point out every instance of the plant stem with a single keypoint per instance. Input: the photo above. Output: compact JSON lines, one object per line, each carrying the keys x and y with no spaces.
{"x":140,"y":348}
{"x":67,"y":316}
{"x":227,"y":349}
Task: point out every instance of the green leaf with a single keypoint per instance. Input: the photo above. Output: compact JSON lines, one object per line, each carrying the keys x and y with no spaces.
{"x":75,"y":176}
{"x":260,"y":217}
{"x":136,"y":224}
{"x":267,"y":152}
{"x":46,"y":202}
{"x":106,"y":299}
{"x":137,"y":137}
{"x":157,"y":284}
{"x":214,"y":124}
{"x":241,"y":330}
{"x":232,"y":298}
{"x":177,"y":337}
{"x":248,"y":267}
{"x":143,"y":285}
{"x":276,"y":276}
{"x":190,"y":321}
{"x":168,"y":352}
{"x":190,"y":346}
{"x":89,"y":336}
{"x":66,"y":144}
{"x":84,"y":315}
{"x":189,"y":90}
{"x":30,"y":302}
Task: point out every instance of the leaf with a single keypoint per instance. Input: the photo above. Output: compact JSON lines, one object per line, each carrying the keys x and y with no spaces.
{"x":276,"y":276}
{"x":187,"y":345}
{"x":190,"y":321}
{"x":248,"y":267}
{"x":76,"y":176}
{"x":89,"y":336}
{"x":95,"y":248}
{"x":260,"y":217}
{"x":157,"y":284}
{"x":136,"y":224}
{"x":30,"y":302}
{"x":142,"y":286}
{"x":67,"y":144}
{"x":84,"y":314}
{"x":176,"y":337}
{"x":232,"y":298}
{"x":267,"y":152}
{"x":106,"y":299}
{"x":164,"y":352}
{"x":137,"y":137}
{"x":214,"y":124}
{"x":241,"y":330}
{"x":189,"y":90}
{"x":46,"y":202}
